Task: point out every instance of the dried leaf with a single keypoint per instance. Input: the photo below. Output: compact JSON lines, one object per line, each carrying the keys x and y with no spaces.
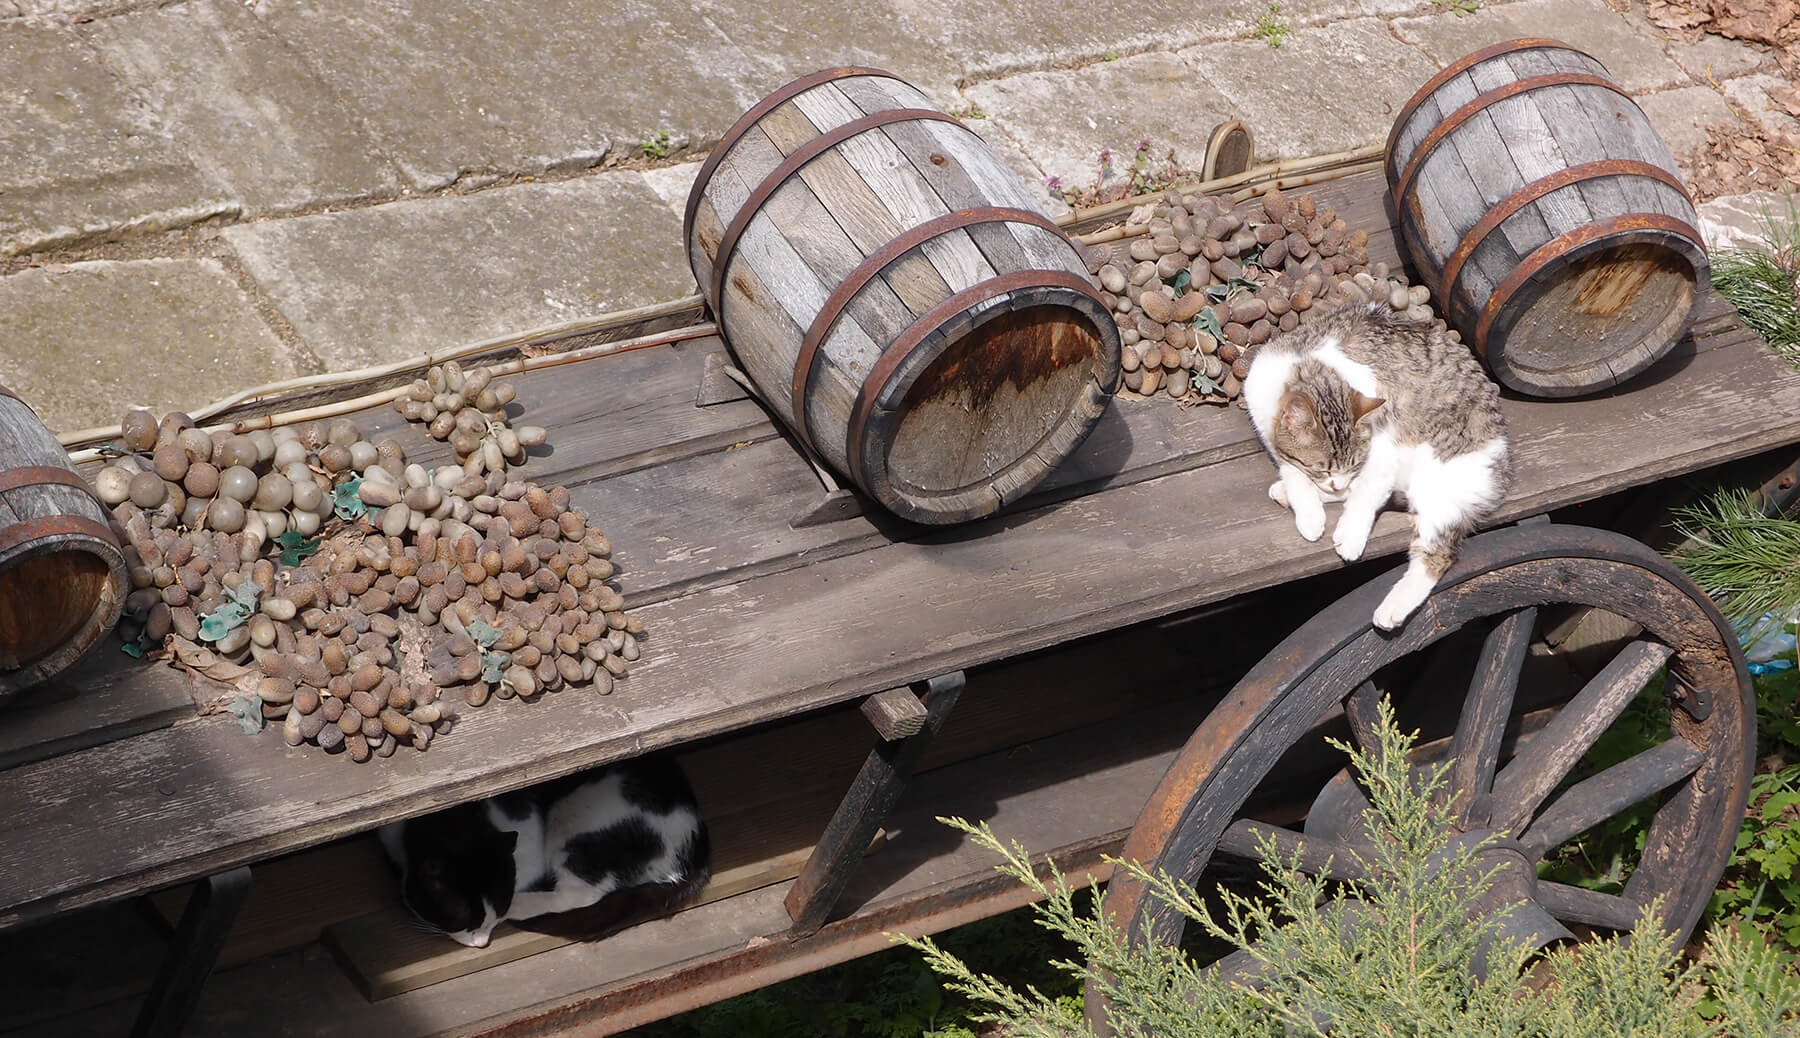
{"x":493,"y":666}
{"x":346,"y":502}
{"x":248,"y":711}
{"x":220,"y":622}
{"x":1787,"y":97}
{"x":485,"y":634}
{"x":296,"y":548}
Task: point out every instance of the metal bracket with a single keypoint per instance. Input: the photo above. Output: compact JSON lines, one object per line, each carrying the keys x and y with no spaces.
{"x":722,"y":382}
{"x":1695,"y":702}
{"x":193,"y":951}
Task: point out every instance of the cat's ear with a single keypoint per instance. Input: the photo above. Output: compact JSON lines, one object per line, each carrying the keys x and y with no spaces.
{"x":1296,"y":414}
{"x":1363,"y":406}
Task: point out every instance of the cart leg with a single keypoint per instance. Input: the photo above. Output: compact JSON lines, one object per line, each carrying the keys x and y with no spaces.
{"x":876,"y":789}
{"x":198,"y":938}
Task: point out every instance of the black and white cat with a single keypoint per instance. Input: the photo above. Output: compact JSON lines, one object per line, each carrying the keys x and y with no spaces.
{"x":1365,"y":407}
{"x":581,"y":856}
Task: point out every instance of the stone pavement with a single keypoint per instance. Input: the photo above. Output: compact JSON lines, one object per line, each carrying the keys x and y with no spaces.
{"x":203,"y":195}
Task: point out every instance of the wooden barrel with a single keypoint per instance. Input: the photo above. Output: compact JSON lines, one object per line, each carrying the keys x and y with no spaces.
{"x":1547,"y":216}
{"x":897,"y":295}
{"x":62,"y":573}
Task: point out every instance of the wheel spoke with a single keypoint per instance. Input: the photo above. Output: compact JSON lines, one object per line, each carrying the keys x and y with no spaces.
{"x":1317,"y":856}
{"x":1339,"y":811}
{"x":1574,"y":904}
{"x":1524,"y":783}
{"x":1475,"y":751}
{"x":1597,"y":798}
{"x":1360,"y":710}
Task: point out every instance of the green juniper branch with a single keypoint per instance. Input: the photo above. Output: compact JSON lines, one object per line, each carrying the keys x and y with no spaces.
{"x":1392,"y":954}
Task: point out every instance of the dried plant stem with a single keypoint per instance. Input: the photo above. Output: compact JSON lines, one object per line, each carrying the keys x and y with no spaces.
{"x":1285,"y":183}
{"x":550,"y":333}
{"x":1285,"y":167}
{"x":514,"y":366}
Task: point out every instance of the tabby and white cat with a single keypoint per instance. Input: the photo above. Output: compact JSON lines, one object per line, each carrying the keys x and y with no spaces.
{"x":1363,"y":406}
{"x":579,"y":857}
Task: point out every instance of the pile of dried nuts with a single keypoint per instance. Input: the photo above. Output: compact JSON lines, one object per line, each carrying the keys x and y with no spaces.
{"x":355,"y":589}
{"x":1200,"y":281}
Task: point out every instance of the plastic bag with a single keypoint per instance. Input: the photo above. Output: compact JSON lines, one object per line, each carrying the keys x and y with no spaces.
{"x":1770,"y":643}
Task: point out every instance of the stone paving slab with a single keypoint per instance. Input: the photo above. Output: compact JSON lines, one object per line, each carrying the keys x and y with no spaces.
{"x":1716,"y":58}
{"x":672,"y":184}
{"x":394,"y":281}
{"x":1681,"y":116}
{"x":79,"y":158}
{"x":1621,"y":42}
{"x":1324,"y":90}
{"x":521,"y":86}
{"x":797,"y":37}
{"x":249,"y":111}
{"x":83,"y":341}
{"x":1743,"y":221}
{"x":1065,"y":117}
{"x":988,"y":40}
{"x":1750,"y":95}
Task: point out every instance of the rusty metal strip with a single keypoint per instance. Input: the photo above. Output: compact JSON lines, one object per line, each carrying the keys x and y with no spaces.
{"x":933,"y":319}
{"x":780,"y":96}
{"x":1530,"y":193}
{"x":50,"y":526}
{"x":1560,"y":246}
{"x":827,"y":318}
{"x":789,"y":166}
{"x":1457,"y":68}
{"x":39,"y":475}
{"x":1481,"y":104}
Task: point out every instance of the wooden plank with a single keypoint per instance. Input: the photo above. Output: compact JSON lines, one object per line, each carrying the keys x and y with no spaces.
{"x":74,"y":711}
{"x":1056,"y":572}
{"x":809,"y":637}
{"x":294,"y":899}
{"x":1078,"y":792}
{"x":387,"y":954}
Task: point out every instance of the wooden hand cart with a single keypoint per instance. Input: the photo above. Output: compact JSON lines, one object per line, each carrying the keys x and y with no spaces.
{"x":1085,"y":633}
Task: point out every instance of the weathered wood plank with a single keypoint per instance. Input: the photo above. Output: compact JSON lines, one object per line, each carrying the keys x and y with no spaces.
{"x":857,"y":210}
{"x":899,"y":187}
{"x":807,"y":637}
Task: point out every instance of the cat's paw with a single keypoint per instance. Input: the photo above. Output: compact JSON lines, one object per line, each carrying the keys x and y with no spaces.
{"x":1310,"y":522}
{"x":1397,"y":606}
{"x":1278,"y":493}
{"x":1349,"y":540}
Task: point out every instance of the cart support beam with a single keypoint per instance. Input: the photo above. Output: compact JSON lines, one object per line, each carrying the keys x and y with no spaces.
{"x":876,"y":789}
{"x":205,"y":921}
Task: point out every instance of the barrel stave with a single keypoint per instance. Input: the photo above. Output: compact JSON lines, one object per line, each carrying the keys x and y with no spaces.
{"x":898,"y":188}
{"x":932,"y":309}
{"x":62,"y":574}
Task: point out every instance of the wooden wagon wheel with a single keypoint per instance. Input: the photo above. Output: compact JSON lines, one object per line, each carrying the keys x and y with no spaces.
{"x":1337,"y":660}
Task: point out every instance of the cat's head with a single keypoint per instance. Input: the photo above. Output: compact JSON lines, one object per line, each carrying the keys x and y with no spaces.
{"x":458,"y":875}
{"x":1322,"y":430}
